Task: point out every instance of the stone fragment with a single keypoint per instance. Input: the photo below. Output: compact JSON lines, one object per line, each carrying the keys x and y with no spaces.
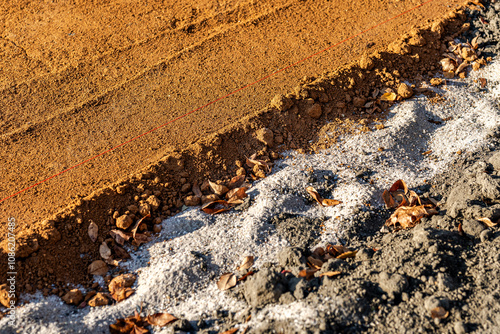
{"x":314,"y":111}
{"x":186,"y":187}
{"x":405,"y":91}
{"x":144,"y":209}
{"x":124,"y":222}
{"x":265,"y":136}
{"x":494,"y":160}
{"x":157,"y":228}
{"x":74,"y":297}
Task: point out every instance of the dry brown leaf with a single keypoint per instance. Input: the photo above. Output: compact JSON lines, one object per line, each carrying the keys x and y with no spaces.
{"x":112,"y":262}
{"x":137,"y":224}
{"x":308,"y":274}
{"x":408,"y":217}
{"x":474,"y":43}
{"x":244,"y":277}
{"x":98,"y":267}
{"x":230,"y":331}
{"x":236,"y":182}
{"x":399,"y":184}
{"x":413,"y":198}
{"x":160,"y":319}
{"x":330,"y":274}
{"x":317,"y":197}
{"x":196,"y":190}
{"x":140,"y":239}
{"x":330,"y":202}
{"x":319,"y":252}
{"x":388,"y":97}
{"x":336,"y":250}
{"x":218,"y":189}
{"x":119,"y":287}
{"x":483,"y":82}
{"x":487,"y":222}
{"x":236,"y":195}
{"x":120,"y":236}
{"x":314,"y":263}
{"x":246,"y":263}
{"x":439,"y":313}
{"x":347,"y":255}
{"x":388,"y":200}
{"x":461,"y":230}
{"x":93,"y":231}
{"x":121,"y":252}
{"x":226,"y":281}
{"x":104,"y":251}
{"x":216,"y":207}
{"x":462,"y":66}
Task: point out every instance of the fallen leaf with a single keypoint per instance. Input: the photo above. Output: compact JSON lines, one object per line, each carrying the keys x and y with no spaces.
{"x":138,"y":223}
{"x":236,"y":195}
{"x":112,"y":262}
{"x":448,"y":65}
{"x":308,"y":274}
{"x":409,"y":216}
{"x":319,"y":252}
{"x":131,"y":325}
{"x":483,"y":82}
{"x":462,"y":66}
{"x":246,"y":263}
{"x":388,"y":200}
{"x":487,"y":222}
{"x":216,"y":207}
{"x":218,"y":189}
{"x":461,"y":230}
{"x":388,"y":97}
{"x":93,"y":231}
{"x":236,"y":182}
{"x":427,"y":152}
{"x":347,"y":255}
{"x":260,"y":163}
{"x":226,"y":281}
{"x":336,"y":250}
{"x":317,"y":197}
{"x":98,"y":267}
{"x":439,"y":313}
{"x":330,"y":274}
{"x":140,"y":239}
{"x":120,"y":236}
{"x":244,"y":277}
{"x":196,"y":190}
{"x":121,"y":252}
{"x":122,"y":294}
{"x":230,"y":331}
{"x":399,"y":184}
{"x":314,"y":263}
{"x":413,"y":198}
{"x":160,"y":319}
{"x":104,"y":251}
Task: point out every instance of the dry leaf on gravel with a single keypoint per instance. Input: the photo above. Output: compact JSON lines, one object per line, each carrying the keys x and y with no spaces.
{"x":196,"y":190}
{"x":119,"y":287}
{"x":137,"y":224}
{"x":308,"y":274}
{"x":409,"y":216}
{"x":218,"y":189}
{"x":439,"y":313}
{"x":388,"y":97}
{"x":104,"y":251}
{"x":246,"y":263}
{"x":140,"y":239}
{"x":487,"y":222}
{"x":160,"y":319}
{"x":317,"y":197}
{"x":121,"y":252}
{"x":236,"y":195}
{"x":216,"y":207}
{"x":314,"y":263}
{"x":93,"y":231}
{"x":131,"y":325}
{"x":462,"y":66}
{"x":236,"y":182}
{"x":230,"y":331}
{"x":98,"y":267}
{"x":120,"y":236}
{"x":347,"y":255}
{"x":330,"y":274}
{"x":474,"y":43}
{"x":244,"y":277}
{"x":226,"y":281}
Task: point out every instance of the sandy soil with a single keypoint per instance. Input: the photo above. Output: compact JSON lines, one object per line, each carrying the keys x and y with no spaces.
{"x":79,"y":79}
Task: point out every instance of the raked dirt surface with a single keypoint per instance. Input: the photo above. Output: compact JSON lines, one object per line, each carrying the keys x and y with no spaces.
{"x":390,"y":290}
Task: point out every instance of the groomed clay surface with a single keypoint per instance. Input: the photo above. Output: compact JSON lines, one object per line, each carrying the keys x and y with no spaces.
{"x":79,"y":79}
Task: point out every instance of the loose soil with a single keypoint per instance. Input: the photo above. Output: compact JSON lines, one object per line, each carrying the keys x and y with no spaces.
{"x":98,"y":75}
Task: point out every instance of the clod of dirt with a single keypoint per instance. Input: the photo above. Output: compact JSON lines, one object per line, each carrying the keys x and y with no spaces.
{"x":100,"y":299}
{"x":154,"y":202}
{"x":291,"y":257}
{"x":472,"y":228}
{"x":315,"y":111}
{"x":210,"y":198}
{"x":4,"y":295}
{"x":393,"y":285}
{"x":405,"y":91}
{"x":281,"y":102}
{"x":192,"y":200}
{"x":265,"y":136}
{"x":366,"y":62}
{"x":263,"y":288}
{"x":74,"y":297}
{"x":124,"y":222}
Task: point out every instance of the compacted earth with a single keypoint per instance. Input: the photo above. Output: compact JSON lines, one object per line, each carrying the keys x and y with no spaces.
{"x":92,"y":82}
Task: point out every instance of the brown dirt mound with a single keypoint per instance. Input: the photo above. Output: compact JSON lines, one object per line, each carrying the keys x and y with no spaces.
{"x":98,"y":78}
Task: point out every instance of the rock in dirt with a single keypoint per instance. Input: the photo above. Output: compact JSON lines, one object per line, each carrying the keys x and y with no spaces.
{"x":281,"y":102}
{"x":472,"y":228}
{"x":393,"y":284}
{"x":4,"y":295}
{"x":494,"y":160}
{"x":210,"y":198}
{"x":315,"y":111}
{"x":265,"y":136}
{"x":366,"y":62}
{"x":74,"y":297}
{"x":124,"y":222}
{"x":291,"y":257}
{"x":192,"y":200}
{"x":263,"y":288}
{"x":359,"y":102}
{"x":154,"y":202}
{"x":100,"y":299}
{"x":405,"y":91}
